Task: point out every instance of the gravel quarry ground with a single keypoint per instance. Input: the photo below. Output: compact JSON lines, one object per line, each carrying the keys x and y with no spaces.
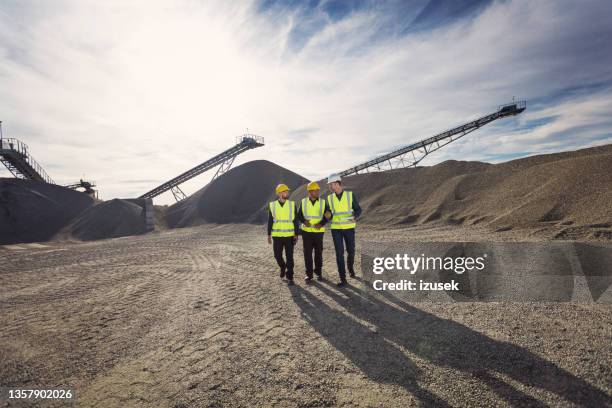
{"x":198,"y":317}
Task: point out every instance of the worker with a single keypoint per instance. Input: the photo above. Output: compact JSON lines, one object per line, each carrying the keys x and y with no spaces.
{"x":345,"y":211}
{"x":312,"y":219}
{"x":283,"y":227}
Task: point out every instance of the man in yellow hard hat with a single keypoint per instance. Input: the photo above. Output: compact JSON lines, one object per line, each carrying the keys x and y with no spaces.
{"x":345,"y":211}
{"x":283,"y":228}
{"x":311,"y":215}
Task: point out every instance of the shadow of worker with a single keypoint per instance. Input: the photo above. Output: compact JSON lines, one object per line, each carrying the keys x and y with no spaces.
{"x":451,"y":344}
{"x":375,"y":357}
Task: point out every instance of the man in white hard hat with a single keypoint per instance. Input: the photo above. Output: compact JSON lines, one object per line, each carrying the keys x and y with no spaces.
{"x":345,"y":211}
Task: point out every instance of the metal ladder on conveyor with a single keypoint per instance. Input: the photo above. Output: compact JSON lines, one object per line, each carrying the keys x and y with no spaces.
{"x":16,"y":158}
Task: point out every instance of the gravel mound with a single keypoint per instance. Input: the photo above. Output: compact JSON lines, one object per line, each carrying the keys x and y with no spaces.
{"x":239,"y":196}
{"x":569,"y":188}
{"x":31,"y":211}
{"x":109,"y":219}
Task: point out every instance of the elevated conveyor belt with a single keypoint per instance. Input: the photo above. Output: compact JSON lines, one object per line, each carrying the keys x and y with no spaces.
{"x":412,"y":154}
{"x":224,"y":160}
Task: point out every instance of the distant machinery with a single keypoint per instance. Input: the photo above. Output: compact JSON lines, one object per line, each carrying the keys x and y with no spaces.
{"x":87,"y":186}
{"x":419,"y":150}
{"x":16,"y":158}
{"x":224,"y":160}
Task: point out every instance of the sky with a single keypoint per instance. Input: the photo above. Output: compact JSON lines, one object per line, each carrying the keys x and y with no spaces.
{"x":132,"y":93}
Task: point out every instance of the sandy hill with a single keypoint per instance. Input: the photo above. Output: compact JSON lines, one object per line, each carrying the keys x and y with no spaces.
{"x":570,"y":188}
{"x":238,"y":196}
{"x":32,"y":211}
{"x":108,"y":219}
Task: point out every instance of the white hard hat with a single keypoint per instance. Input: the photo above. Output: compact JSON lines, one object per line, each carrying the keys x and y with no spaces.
{"x":333,"y":178}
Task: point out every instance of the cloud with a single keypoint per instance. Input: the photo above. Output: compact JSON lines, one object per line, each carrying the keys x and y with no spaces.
{"x":142,"y":91}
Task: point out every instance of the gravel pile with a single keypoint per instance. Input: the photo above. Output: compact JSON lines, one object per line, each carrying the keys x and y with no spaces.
{"x":569,"y":188}
{"x":239,"y":196}
{"x":109,"y":219}
{"x":31,"y":211}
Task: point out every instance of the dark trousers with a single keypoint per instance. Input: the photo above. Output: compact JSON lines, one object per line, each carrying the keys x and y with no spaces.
{"x":286,"y":243}
{"x":342,"y":237}
{"x":313,"y":241}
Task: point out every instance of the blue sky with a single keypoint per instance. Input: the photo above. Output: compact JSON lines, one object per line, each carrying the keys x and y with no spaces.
{"x":132,"y":93}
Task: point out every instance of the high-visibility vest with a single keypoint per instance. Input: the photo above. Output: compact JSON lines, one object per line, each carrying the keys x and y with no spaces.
{"x":283,"y":216}
{"x":342,"y":210}
{"x":313,"y":213}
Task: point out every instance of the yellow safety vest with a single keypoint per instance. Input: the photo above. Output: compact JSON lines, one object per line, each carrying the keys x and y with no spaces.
{"x":283,"y":216}
{"x":313,"y":213}
{"x":343,"y":210}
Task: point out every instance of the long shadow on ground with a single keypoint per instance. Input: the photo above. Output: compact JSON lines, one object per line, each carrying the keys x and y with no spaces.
{"x":442,"y":342}
{"x":380,"y":360}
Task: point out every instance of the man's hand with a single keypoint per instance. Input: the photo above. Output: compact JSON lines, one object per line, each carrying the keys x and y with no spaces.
{"x":318,"y":225}
{"x":295,"y":239}
{"x":307,"y":223}
{"x":269,"y":239}
{"x":328,"y":214}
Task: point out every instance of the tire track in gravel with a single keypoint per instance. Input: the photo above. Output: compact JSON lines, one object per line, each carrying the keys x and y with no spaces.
{"x":226,"y":299}
{"x":251,"y":307}
{"x":185,"y":351}
{"x":112,"y":308}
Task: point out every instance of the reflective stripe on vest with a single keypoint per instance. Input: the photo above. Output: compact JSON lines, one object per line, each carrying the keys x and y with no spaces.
{"x":283,"y":216}
{"x":313,"y":213}
{"x":342,"y":210}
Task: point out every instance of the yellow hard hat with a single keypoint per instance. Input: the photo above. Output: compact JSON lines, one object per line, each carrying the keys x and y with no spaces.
{"x":281,"y":187}
{"x":313,"y":185}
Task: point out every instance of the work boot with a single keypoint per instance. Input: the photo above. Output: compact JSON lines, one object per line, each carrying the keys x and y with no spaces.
{"x":342,"y":282}
{"x":319,"y":277}
{"x":290,"y":282}
{"x":282,"y":274}
{"x":351,"y":274}
{"x":308,"y":280}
